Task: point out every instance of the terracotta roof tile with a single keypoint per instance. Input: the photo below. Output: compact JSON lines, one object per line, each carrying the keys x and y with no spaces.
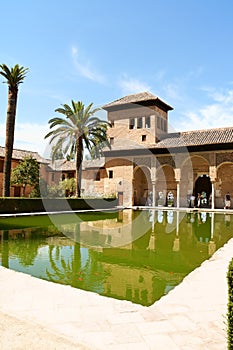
{"x":197,"y":137}
{"x":66,"y":165}
{"x":135,"y":98}
{"x":94,"y":163}
{"x":62,"y":164}
{"x":180,"y":139}
{"x":21,"y":154}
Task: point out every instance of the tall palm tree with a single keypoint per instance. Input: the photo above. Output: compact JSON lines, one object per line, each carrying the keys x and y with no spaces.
{"x":14,"y":76}
{"x":80,"y":128}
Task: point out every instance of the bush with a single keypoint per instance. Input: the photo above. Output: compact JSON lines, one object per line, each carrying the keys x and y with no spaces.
{"x":68,"y":186}
{"x":230,"y":306}
{"x":65,"y":188}
{"x":29,"y":205}
{"x":55,"y":191}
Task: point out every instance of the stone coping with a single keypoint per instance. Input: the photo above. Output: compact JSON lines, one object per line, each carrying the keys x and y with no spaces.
{"x":187,"y":210}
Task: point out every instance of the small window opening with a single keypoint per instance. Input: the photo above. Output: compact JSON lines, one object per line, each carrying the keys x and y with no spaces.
{"x":97,"y":178}
{"x":110,"y":174}
{"x":131,"y":123}
{"x":143,"y":138}
{"x":164,"y":125}
{"x":1,"y":166}
{"x":159,"y":123}
{"x":147,"y":122}
{"x":139,"y":126}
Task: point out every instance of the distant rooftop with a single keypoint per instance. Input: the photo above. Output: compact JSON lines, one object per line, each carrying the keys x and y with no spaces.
{"x":70,"y":165}
{"x":139,"y":98}
{"x":21,"y":154}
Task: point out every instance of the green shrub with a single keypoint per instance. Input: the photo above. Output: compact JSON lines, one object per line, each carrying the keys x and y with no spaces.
{"x":68,"y":186}
{"x":55,"y":191}
{"x":28,"y":205}
{"x":230,"y":306}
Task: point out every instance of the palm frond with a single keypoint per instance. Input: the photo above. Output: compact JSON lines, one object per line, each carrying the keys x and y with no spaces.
{"x":80,"y":127}
{"x":56,"y":148}
{"x":66,"y":110}
{"x":13,"y":76}
{"x":59,"y":121}
{"x":56,"y":132}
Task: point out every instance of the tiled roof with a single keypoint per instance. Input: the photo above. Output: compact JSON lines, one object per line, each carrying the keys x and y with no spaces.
{"x":57,"y":164}
{"x":94,"y":163}
{"x":70,"y":165}
{"x":180,"y":139}
{"x":136,"y":98}
{"x":197,"y":137}
{"x":62,"y":164}
{"x":21,"y":154}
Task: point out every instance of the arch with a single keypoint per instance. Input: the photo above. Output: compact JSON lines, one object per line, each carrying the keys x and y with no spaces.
{"x":142,"y":185}
{"x":203,"y":185}
{"x":223,"y":182}
{"x":165,"y":181}
{"x":197,"y":162}
{"x":192,"y":168}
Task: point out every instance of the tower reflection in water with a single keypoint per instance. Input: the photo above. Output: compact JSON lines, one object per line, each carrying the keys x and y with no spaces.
{"x":133,"y":255}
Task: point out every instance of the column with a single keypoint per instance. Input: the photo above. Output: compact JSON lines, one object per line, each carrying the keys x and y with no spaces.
{"x":213,"y":176}
{"x":154,"y":193}
{"x":177,"y":178}
{"x":178,"y":194}
{"x":153,"y":179}
{"x":212,"y":194}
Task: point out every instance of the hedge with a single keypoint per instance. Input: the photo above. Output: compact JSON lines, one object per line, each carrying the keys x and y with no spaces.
{"x":230,"y":306}
{"x":32,"y":205}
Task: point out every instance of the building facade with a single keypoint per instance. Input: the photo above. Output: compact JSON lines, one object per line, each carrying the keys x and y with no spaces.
{"x":146,"y":163}
{"x":17,"y":156}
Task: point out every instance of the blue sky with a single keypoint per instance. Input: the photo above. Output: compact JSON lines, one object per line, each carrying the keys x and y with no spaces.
{"x":98,"y":51}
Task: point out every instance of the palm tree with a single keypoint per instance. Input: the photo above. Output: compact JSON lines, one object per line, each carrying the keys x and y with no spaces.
{"x":80,"y":128}
{"x":14,"y":77}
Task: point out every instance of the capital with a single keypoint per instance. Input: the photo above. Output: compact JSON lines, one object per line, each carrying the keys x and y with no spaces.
{"x":177,"y":174}
{"x":212,"y":173}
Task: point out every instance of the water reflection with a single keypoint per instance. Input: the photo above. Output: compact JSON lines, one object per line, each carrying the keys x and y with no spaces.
{"x":133,"y":255}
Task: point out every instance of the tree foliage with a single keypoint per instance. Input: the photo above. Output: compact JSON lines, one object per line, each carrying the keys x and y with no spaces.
{"x":79,"y":129}
{"x":69,"y":186}
{"x":26,"y":173}
{"x":65,"y":188}
{"x":57,"y":154}
{"x":14,"y":76}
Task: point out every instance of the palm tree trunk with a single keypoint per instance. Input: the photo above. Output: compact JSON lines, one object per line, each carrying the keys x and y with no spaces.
{"x":79,"y":159}
{"x":10,"y":129}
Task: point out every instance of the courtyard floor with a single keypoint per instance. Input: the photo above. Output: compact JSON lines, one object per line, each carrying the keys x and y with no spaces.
{"x":37,"y":314}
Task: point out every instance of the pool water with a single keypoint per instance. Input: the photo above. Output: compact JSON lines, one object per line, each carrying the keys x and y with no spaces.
{"x":136,"y":255}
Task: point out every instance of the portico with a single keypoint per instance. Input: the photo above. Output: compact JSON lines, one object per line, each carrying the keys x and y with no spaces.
{"x":145,"y":159}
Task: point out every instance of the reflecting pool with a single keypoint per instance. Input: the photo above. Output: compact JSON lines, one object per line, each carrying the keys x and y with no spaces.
{"x":136,"y":255}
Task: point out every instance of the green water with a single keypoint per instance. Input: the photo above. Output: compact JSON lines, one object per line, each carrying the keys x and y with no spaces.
{"x":131,"y":255}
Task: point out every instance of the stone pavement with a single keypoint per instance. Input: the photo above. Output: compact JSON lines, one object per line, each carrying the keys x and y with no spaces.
{"x":36,"y":314}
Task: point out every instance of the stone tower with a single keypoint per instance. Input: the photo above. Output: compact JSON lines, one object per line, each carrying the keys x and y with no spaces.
{"x":140,"y":118}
